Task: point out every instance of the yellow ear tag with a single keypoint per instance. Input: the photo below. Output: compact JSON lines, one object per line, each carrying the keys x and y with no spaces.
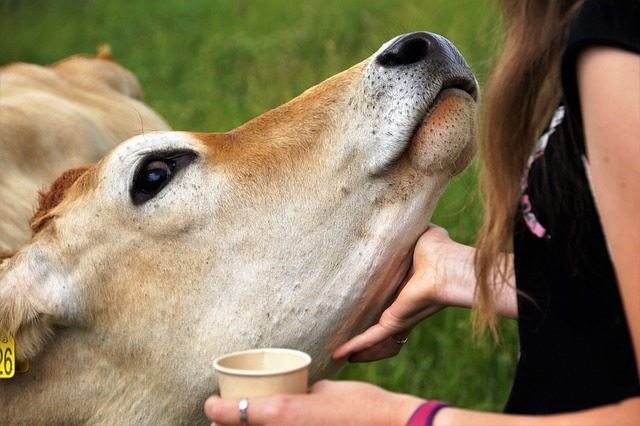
{"x":7,"y":356}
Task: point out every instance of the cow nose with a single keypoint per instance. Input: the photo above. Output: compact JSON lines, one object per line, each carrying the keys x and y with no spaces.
{"x":407,"y":50}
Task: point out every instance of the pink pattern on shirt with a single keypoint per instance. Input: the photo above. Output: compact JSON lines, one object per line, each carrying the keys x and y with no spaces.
{"x":525,"y":203}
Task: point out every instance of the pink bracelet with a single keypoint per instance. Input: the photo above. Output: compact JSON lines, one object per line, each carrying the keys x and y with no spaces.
{"x":425,"y":413}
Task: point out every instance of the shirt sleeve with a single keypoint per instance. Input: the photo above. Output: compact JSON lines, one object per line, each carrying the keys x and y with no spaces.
{"x":613,"y":23}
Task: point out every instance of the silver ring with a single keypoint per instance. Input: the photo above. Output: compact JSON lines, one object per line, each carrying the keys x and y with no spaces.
{"x":242,"y":408}
{"x":399,"y":342}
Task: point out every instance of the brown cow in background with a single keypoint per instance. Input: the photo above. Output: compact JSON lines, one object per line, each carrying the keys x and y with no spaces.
{"x":56,"y":117}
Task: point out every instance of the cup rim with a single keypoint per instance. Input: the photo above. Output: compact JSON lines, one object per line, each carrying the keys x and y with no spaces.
{"x":244,"y":372}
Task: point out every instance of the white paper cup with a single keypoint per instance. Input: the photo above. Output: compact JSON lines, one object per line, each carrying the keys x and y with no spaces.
{"x":262,"y":372}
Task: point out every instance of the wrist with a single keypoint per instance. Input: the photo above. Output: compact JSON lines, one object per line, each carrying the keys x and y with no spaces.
{"x":425,"y":413}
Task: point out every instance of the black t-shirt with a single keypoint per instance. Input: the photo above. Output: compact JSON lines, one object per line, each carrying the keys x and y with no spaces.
{"x":576,"y":350}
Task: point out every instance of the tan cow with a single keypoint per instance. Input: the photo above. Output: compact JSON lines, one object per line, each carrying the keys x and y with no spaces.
{"x":292,"y":230}
{"x":57,"y":117}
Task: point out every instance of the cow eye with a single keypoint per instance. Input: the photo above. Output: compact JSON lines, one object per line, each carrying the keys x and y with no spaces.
{"x":154,"y":175}
{"x":155,"y":172}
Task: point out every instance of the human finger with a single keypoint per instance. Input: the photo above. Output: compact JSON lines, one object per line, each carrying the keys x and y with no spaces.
{"x":377,"y":342}
{"x":387,"y":348}
{"x":227,"y":411}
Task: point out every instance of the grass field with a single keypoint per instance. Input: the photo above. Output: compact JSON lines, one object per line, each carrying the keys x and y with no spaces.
{"x":210,"y":65}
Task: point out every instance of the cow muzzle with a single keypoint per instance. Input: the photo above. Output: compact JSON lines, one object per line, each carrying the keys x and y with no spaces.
{"x":407,"y":81}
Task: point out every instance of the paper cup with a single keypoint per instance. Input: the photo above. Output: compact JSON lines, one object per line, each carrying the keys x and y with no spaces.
{"x":262,"y":372}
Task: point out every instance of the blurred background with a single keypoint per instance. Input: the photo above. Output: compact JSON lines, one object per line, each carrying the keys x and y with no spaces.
{"x":211,"y":65}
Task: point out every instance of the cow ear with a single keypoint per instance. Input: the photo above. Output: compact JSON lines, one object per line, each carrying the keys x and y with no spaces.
{"x":35,"y":298}
{"x":51,"y":198}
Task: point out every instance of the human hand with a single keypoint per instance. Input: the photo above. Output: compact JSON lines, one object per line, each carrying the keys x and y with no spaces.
{"x":326,"y":403}
{"x":438,"y":262}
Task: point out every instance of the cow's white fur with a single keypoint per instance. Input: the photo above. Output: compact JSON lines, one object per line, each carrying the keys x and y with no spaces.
{"x":292,"y":230}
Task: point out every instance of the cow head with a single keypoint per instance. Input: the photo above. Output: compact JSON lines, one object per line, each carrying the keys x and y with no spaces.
{"x":292,"y":230}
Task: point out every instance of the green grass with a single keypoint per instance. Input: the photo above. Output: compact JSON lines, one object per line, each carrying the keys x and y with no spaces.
{"x":211,"y":65}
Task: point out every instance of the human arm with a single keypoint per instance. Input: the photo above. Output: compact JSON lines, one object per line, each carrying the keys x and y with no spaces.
{"x":609,"y":85}
{"x":624,"y":413}
{"x":356,"y":403}
{"x":441,"y":275}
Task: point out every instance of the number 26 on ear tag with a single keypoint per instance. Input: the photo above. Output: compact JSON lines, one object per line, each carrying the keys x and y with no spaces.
{"x":7,"y":356}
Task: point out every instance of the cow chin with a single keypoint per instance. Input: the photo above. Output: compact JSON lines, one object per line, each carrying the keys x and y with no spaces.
{"x":446,"y":137}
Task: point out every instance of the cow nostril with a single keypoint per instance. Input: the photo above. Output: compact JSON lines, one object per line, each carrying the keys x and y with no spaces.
{"x":407,"y":50}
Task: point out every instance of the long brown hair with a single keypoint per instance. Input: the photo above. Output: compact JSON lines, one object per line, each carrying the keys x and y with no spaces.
{"x":520,"y":97}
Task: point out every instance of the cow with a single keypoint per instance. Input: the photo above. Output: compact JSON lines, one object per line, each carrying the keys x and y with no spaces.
{"x":293,"y":230}
{"x":56,"y":117}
